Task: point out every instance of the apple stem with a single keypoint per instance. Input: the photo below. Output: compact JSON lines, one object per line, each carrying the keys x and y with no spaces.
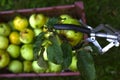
{"x":25,"y":31}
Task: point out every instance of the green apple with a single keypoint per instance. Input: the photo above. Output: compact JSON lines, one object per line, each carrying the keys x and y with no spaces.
{"x":27,"y":66}
{"x":71,"y":21}
{"x":4,"y":42}
{"x":13,"y":50}
{"x":37,"y":20}
{"x":27,"y":52}
{"x":14,"y":38}
{"x":54,"y":67}
{"x":20,"y":23}
{"x":73,"y":65}
{"x":27,"y":36}
{"x":37,"y":68}
{"x":64,"y":17}
{"x":4,"y":58}
{"x":71,"y":36}
{"x":4,"y":29}
{"x":15,"y":66}
{"x":37,"y":31}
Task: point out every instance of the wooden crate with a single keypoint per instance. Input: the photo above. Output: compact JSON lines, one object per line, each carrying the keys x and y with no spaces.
{"x":76,"y":10}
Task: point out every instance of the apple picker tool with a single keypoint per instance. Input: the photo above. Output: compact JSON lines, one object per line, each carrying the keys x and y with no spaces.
{"x":102,"y":31}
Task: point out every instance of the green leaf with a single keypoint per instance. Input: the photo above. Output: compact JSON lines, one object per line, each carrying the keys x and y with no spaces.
{"x":54,"y":51}
{"x":85,"y":65}
{"x":41,"y":62}
{"x":50,"y":23}
{"x":38,"y":44}
{"x":67,"y":54}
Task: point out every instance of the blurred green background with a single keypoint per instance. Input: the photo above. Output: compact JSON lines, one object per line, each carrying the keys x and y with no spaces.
{"x":97,"y":12}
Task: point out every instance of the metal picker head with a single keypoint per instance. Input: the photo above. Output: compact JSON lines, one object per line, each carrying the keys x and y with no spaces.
{"x":110,"y":34}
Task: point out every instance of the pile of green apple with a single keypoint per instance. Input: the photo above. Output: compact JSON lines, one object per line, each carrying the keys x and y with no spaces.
{"x":17,"y":38}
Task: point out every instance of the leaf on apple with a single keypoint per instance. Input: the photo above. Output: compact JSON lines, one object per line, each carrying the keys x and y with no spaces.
{"x":54,"y":51}
{"x":67,"y":54}
{"x":38,"y":44}
{"x":85,"y":65}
